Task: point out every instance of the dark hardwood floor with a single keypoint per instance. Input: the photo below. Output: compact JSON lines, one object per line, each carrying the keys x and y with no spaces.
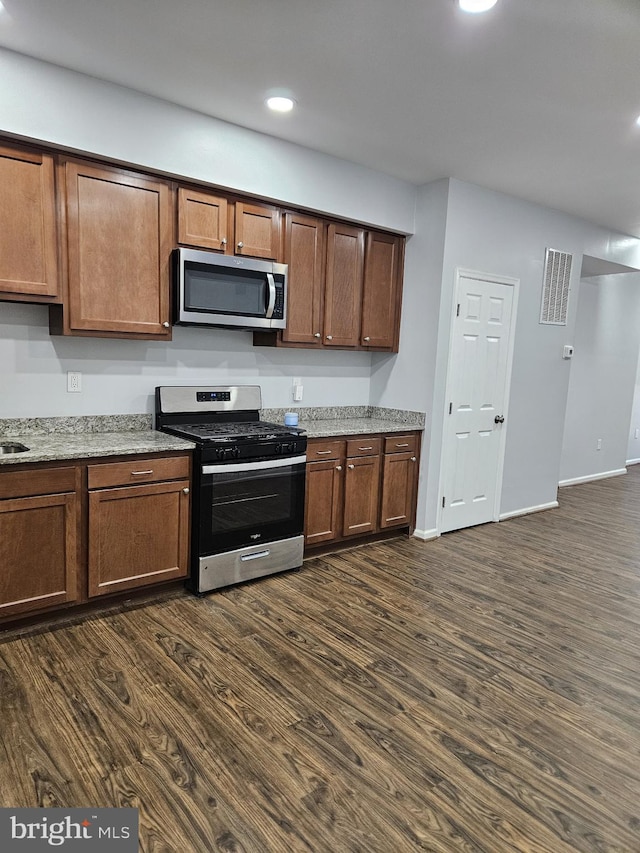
{"x":480,"y":692}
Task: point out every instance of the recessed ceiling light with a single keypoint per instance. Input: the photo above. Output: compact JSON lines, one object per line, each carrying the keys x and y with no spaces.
{"x":476,"y":5}
{"x":638,"y":121}
{"x":280,"y":104}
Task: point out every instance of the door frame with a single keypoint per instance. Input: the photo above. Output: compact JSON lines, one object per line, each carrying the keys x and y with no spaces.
{"x":462,"y":272}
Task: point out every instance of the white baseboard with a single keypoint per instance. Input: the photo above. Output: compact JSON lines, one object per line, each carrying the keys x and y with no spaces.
{"x":632,"y":462}
{"x":529,"y":509}
{"x":603,"y":475}
{"x":426,"y":534}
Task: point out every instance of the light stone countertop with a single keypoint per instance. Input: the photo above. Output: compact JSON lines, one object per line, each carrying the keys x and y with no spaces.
{"x":334,"y":427}
{"x":51,"y":447}
{"x":90,"y":436}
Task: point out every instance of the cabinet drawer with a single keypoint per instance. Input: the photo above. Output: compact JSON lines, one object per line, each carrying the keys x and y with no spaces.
{"x":364,"y":446}
{"x":401,"y":444}
{"x":22,"y":484}
{"x":137,"y":471}
{"x":320,"y":450}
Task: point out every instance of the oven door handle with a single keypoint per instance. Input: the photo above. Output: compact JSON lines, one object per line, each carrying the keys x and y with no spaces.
{"x":272,"y":296}
{"x":264,"y":465}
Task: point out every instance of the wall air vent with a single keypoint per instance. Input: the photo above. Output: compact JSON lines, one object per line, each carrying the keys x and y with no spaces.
{"x":555,"y":290}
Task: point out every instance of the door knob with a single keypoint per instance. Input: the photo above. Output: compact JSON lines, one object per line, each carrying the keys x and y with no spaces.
{"x":185,"y":491}
{"x":367,"y":338}
{"x":317,"y":335}
{"x":166,"y":324}
{"x":351,"y":467}
{"x":329,"y":337}
{"x":241,"y":245}
{"x":499,"y":419}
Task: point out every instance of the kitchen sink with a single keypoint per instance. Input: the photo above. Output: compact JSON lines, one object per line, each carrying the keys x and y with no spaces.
{"x":12,"y":447}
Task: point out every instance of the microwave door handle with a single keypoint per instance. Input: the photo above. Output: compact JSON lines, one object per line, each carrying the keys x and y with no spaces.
{"x":272,"y":296}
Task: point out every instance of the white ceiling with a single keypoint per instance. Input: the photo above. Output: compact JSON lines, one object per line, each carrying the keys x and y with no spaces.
{"x":537,"y":98}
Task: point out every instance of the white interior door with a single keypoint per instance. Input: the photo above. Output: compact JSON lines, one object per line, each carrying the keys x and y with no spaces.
{"x":477,"y":382}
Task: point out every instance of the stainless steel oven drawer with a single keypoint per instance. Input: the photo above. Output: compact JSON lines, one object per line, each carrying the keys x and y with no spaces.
{"x":244,"y":564}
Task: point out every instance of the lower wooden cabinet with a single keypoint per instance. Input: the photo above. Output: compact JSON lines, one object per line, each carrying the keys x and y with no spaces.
{"x":138,"y":534}
{"x":39,"y":537}
{"x":358,"y":486}
{"x":135,"y":530}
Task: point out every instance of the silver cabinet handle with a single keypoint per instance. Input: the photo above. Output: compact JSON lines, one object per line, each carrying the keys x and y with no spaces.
{"x":166,"y":324}
{"x":365,"y":448}
{"x":223,"y":242}
{"x":413,"y":459}
{"x":322,"y":452}
{"x":352,"y":466}
{"x":329,"y":337}
{"x":142,"y":473}
{"x":338,"y":467}
{"x":185,"y":491}
{"x":406,"y":444}
{"x":367,"y":338}
{"x":241,"y":245}
{"x":317,"y":335}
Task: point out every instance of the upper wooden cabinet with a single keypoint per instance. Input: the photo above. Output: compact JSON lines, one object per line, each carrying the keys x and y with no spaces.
{"x":117,"y":248}
{"x":344,"y":286}
{"x":381,"y":291}
{"x":304,"y":251}
{"x":207,"y":220}
{"x":202,"y":220}
{"x":28,"y":241}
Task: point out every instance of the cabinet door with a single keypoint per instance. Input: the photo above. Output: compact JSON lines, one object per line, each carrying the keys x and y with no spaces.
{"x":38,"y":553}
{"x":304,"y":254}
{"x":118,"y":245}
{"x":28,"y":244}
{"x":399,"y":481}
{"x":381,"y":292}
{"x":257,"y":231}
{"x":343,"y":290}
{"x":138,"y":535}
{"x":322,"y":501}
{"x":361,"y":492}
{"x":202,"y":220}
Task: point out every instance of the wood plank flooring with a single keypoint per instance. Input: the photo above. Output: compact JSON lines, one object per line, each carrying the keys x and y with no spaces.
{"x":477,"y":693}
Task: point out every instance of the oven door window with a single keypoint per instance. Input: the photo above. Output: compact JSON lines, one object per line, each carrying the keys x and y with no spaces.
{"x":240,"y":508}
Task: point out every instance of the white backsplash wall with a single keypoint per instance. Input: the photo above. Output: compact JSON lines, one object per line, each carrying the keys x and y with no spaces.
{"x":119,"y":376}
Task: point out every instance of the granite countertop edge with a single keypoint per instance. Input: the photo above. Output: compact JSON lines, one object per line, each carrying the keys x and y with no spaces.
{"x":53,"y":447}
{"x":331,"y":428}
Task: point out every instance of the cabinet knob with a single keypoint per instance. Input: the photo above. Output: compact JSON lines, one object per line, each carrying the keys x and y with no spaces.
{"x":338,"y":467}
{"x":352,"y":466}
{"x":241,"y":245}
{"x":413,"y":459}
{"x":166,"y":324}
{"x":185,"y":491}
{"x":317,"y":335}
{"x":367,"y":338}
{"x":329,"y":337}
{"x":223,"y":242}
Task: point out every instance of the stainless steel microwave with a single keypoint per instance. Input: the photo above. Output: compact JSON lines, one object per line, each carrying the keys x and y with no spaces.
{"x":224,"y":290}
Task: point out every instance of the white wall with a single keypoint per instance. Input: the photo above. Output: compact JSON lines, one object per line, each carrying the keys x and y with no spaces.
{"x":406,"y":381}
{"x":71,"y":110}
{"x":633,"y":448}
{"x":490,"y":232}
{"x":602,"y":381}
{"x":68,"y":109}
{"x":119,"y":376}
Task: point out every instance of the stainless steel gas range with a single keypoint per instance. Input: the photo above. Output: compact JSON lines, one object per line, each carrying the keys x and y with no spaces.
{"x":249,"y":481}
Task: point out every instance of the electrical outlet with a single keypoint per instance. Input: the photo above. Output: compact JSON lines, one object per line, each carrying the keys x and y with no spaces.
{"x":297,"y":389}
{"x":74,"y":382}
{"x":599,"y":444}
